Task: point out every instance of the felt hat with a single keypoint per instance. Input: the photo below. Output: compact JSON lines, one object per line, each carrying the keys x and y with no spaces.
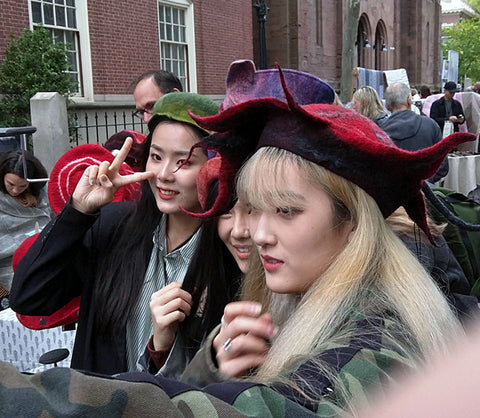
{"x":450,"y":86}
{"x":336,"y":138}
{"x":176,"y":106}
{"x":64,"y":316}
{"x":70,"y":167}
{"x":116,"y":141}
{"x":244,"y":83}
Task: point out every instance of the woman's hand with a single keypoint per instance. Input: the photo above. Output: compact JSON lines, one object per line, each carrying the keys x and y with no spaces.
{"x":99,"y":183}
{"x":168,"y":306}
{"x":243,"y":341}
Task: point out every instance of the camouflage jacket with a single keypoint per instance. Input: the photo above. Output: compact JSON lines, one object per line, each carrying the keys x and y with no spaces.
{"x":360,"y":363}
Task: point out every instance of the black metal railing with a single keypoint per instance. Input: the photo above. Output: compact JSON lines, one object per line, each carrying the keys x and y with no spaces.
{"x":97,"y":127}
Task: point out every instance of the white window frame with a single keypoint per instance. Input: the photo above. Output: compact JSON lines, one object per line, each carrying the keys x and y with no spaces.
{"x":85,"y":60}
{"x":187,"y":6}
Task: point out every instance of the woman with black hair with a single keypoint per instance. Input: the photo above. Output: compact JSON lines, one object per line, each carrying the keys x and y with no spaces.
{"x":24,"y":207}
{"x":117,"y":255}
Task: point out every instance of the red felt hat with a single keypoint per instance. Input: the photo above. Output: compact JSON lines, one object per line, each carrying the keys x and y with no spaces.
{"x":64,"y":316}
{"x":70,"y":167}
{"x":336,"y":138}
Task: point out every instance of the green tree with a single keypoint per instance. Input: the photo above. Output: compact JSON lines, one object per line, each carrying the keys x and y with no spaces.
{"x":474,"y":3}
{"x":464,"y":37}
{"x":32,"y":63}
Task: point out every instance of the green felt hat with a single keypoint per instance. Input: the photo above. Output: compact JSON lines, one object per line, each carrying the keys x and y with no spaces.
{"x":176,"y":106}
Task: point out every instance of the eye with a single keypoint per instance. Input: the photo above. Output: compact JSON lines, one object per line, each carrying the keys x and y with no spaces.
{"x":287,"y":212}
{"x":154,"y":156}
{"x":184,"y":162}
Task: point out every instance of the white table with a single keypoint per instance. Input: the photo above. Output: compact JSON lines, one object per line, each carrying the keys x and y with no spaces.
{"x":22,"y":346}
{"x":463,"y":174}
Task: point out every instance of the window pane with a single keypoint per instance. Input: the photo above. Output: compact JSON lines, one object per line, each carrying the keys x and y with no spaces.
{"x":71,"y":18}
{"x":60,"y":15}
{"x":48,"y":14}
{"x":175,"y":16}
{"x":168,"y":34}
{"x":72,"y":58}
{"x":175,"y":52}
{"x":70,"y":38}
{"x":168,"y":14}
{"x":58,"y":36}
{"x":36,"y":12}
{"x":161,"y":13}
{"x":71,"y":3}
{"x":182,"y":17}
{"x":48,"y":1}
{"x":59,"y":1}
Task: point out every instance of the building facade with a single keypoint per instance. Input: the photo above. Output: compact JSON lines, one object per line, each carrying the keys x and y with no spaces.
{"x":391,"y":34}
{"x":112,"y":42}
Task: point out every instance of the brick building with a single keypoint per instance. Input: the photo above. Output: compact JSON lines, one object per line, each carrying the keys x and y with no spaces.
{"x":308,"y":35}
{"x":114,"y":41}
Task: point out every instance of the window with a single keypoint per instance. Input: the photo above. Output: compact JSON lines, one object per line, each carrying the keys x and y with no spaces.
{"x":177,"y":51}
{"x":68,"y":23}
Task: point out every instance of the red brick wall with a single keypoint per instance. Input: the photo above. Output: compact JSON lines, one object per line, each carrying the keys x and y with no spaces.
{"x":223,"y":33}
{"x":124,"y":42}
{"x":13,"y":18}
{"x":124,"y":39}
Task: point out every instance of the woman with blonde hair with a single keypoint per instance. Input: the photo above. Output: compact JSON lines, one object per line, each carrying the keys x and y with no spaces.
{"x":367,"y":102}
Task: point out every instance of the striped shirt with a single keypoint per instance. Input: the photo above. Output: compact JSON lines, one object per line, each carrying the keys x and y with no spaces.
{"x":163,"y":269}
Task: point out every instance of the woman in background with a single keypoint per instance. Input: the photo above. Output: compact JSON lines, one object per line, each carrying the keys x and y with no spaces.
{"x":24,"y":207}
{"x":367,"y":102}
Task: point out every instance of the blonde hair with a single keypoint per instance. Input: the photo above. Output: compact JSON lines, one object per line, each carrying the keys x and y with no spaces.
{"x":401,"y":223}
{"x":369,"y":103}
{"x":374,"y":274}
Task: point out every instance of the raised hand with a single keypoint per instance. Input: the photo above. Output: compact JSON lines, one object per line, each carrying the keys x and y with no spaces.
{"x":168,"y":306}
{"x":99,"y":183}
{"x":243,"y":341}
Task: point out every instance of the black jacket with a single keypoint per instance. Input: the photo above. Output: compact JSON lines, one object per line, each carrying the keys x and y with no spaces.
{"x":60,"y":265}
{"x":412,"y":132}
{"x":438,"y":113}
{"x":445,"y":270}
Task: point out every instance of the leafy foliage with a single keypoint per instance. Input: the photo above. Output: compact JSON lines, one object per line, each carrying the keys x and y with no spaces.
{"x":474,"y":3}
{"x":33,"y":63}
{"x":464,"y":37}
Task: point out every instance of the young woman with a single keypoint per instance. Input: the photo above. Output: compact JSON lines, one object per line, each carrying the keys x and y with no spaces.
{"x":24,"y":207}
{"x":116,"y":256}
{"x":336,"y":302}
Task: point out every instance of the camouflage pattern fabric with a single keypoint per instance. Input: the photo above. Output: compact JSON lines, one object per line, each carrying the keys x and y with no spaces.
{"x":62,"y":392}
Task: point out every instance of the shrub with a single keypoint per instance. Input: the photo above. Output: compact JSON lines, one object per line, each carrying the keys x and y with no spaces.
{"x":33,"y":63}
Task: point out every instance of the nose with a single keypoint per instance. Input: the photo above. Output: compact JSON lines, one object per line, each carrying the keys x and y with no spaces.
{"x":165,"y":172}
{"x":240,"y":227}
{"x":261,"y":229}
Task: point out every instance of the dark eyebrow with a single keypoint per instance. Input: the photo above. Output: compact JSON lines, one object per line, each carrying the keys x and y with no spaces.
{"x":179,"y":153}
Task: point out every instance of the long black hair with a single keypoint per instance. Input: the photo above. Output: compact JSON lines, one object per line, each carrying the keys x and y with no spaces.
{"x":214,"y":272}
{"x":12,"y":162}
{"x":124,"y":262}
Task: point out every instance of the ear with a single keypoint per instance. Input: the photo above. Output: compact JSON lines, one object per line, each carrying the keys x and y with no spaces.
{"x":409,"y":101}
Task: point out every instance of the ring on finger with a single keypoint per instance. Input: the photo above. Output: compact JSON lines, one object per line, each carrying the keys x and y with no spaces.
{"x":227,"y":345}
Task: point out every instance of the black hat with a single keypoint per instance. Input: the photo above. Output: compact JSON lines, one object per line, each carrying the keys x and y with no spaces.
{"x":450,"y":86}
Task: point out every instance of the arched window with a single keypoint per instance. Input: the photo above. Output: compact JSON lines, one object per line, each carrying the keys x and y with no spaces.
{"x":380,"y":46}
{"x":363,"y":41}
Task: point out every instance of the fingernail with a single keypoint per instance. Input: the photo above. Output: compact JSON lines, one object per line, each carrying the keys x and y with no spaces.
{"x":256,"y":308}
{"x":273,"y":329}
{"x":104,"y":179}
{"x":91,"y":182}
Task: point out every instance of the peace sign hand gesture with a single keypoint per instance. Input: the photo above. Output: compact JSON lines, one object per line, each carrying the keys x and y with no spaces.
{"x":99,"y":183}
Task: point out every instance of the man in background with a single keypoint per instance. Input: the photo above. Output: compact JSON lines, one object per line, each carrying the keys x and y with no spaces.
{"x":447,"y":108}
{"x":408,"y":130}
{"x":149,"y":87}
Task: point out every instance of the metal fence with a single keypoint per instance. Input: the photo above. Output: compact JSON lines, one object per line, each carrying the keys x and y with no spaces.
{"x":95,"y":127}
